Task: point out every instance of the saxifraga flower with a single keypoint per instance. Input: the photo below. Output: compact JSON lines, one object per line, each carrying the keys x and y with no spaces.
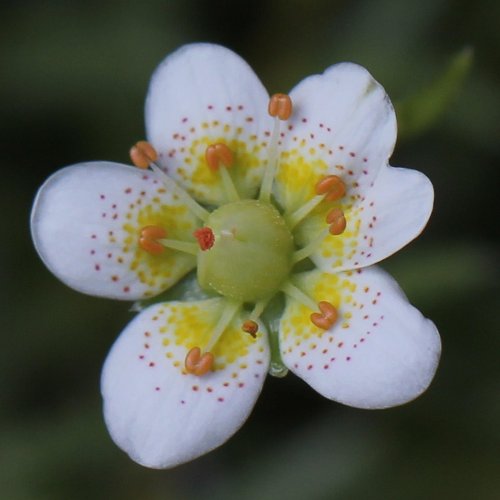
{"x":282,"y":205}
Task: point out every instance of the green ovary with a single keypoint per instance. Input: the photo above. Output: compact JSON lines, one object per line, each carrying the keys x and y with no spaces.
{"x":251,"y":257}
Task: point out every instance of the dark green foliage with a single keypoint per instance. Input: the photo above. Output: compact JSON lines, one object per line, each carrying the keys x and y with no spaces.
{"x":73,"y":80}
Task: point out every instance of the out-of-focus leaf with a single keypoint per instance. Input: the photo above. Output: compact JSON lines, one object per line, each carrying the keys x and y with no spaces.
{"x":420,"y":111}
{"x":439,"y":274}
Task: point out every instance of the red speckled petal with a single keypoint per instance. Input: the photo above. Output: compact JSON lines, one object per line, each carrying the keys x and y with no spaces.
{"x":86,"y":223}
{"x":381,"y":352}
{"x":342,"y":123}
{"x":156,"y":411}
{"x":389,"y":215}
{"x":204,"y":94}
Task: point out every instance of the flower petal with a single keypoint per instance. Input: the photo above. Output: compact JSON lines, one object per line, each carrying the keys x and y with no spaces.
{"x":381,"y":352}
{"x":86,"y":222}
{"x":343,"y":123}
{"x":200,"y":95}
{"x":392,"y":212}
{"x":161,"y":415}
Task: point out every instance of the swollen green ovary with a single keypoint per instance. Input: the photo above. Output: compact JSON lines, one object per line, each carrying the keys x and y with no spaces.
{"x":251,"y":257}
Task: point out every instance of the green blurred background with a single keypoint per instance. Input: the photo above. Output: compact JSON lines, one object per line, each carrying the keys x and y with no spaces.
{"x":73,"y":76}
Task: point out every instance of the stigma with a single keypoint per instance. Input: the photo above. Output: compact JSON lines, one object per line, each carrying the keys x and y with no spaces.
{"x":205,"y":237}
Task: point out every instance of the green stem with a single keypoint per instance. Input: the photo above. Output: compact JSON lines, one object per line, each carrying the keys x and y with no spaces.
{"x":277,"y":367}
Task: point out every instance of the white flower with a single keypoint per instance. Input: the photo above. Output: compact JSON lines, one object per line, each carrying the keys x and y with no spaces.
{"x":282,"y":205}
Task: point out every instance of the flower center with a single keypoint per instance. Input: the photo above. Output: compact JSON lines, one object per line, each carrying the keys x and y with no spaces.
{"x":252,"y":253}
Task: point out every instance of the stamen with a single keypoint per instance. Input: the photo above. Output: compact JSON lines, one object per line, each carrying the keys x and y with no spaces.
{"x":152,"y":240}
{"x":329,"y":188}
{"x":205,"y":237}
{"x":324,"y":319}
{"x":296,"y":293}
{"x":149,"y":237}
{"x":327,"y":317}
{"x":280,"y":106}
{"x":198,"y":364}
{"x":180,"y":246}
{"x":336,"y":219}
{"x":337,"y":224}
{"x":332,"y":187}
{"x":144,"y":152}
{"x":294,"y":218}
{"x":218,"y":154}
{"x":230,"y":310}
{"x":251,"y":327}
{"x":311,"y":247}
{"x":259,"y":309}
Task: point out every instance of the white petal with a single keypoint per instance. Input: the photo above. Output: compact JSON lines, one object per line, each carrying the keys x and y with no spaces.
{"x":381,"y":352}
{"x":392,"y":213}
{"x":200,"y":95}
{"x":342,"y":123}
{"x":86,"y":222}
{"x":161,"y":415}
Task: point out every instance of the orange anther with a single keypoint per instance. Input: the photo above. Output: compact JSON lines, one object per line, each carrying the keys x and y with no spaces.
{"x":148,"y":239}
{"x":205,"y":237}
{"x":280,"y":105}
{"x":336,"y":219}
{"x":142,"y":154}
{"x":326,"y":318}
{"x":332,"y":187}
{"x":217,"y":154}
{"x":153,"y":232}
{"x":197,"y":364}
{"x":251,"y":327}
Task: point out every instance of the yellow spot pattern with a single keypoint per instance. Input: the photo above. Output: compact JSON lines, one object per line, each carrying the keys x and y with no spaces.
{"x":343,"y":246}
{"x":192,"y":324}
{"x":297,"y":177}
{"x":246,"y":171}
{"x":296,"y":321}
{"x":167,"y":268}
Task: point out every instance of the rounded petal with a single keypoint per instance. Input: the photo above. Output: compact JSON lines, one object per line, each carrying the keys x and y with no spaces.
{"x":343,"y":123}
{"x":86,"y":222}
{"x":381,"y":351}
{"x":200,"y":95}
{"x":156,"y":411}
{"x":391,"y":213}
